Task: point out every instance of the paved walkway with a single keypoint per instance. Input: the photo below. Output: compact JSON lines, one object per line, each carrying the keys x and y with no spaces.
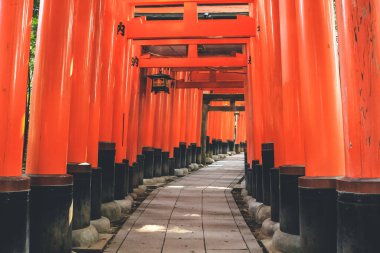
{"x":194,"y":214}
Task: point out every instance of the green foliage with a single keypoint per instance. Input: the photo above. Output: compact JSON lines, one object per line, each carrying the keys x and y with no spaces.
{"x":33,"y":40}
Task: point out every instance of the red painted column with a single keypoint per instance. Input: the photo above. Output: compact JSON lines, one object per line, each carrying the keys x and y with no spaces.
{"x":80,"y":80}
{"x":119,"y":67}
{"x":321,"y":110}
{"x":15,"y":24}
{"x":359,"y":192}
{"x":50,"y":228}
{"x":83,"y":39}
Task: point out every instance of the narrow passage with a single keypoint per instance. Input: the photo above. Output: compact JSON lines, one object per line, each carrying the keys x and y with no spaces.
{"x":194,"y":214}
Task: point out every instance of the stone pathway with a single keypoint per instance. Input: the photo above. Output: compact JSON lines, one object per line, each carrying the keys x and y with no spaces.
{"x":194,"y":214}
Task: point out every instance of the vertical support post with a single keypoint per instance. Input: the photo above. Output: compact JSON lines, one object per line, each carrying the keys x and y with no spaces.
{"x":15,"y":24}
{"x":359,"y":192}
{"x":205,"y":107}
{"x":321,"y":108}
{"x":51,"y":188}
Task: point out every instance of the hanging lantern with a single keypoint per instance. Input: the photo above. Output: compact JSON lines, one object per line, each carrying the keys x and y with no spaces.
{"x":160,"y":82}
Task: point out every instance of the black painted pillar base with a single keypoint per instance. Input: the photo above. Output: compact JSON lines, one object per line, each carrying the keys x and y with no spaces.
{"x":177,"y":158}
{"x":149,"y":162}
{"x":289,"y":198}
{"x":141,"y":164}
{"x":81,"y":194}
{"x":198,"y":155}
{"x":165,"y":164}
{"x":193,"y":152}
{"x":275,"y":194}
{"x":237,"y":148}
{"x":182,"y":148}
{"x":120,"y":181}
{"x":171,"y":166}
{"x":135,"y":176}
{"x":224,"y":148}
{"x":50,"y":211}
{"x":96,"y":193}
{"x":249,"y":180}
{"x":214,"y":147}
{"x":189,"y":153}
{"x":268,"y":163}
{"x":157,"y":162}
{"x":126,"y":177}
{"x":231,"y":145}
{"x":14,"y":214}
{"x":317,"y":213}
{"x":358,"y":215}
{"x":253,"y":178}
{"x":246,"y":168}
{"x":106,"y":161}
{"x":220,"y":146}
{"x":130,"y":178}
{"x":259,"y":183}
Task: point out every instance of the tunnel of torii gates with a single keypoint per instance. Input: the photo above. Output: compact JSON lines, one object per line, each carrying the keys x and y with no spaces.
{"x":311,"y":116}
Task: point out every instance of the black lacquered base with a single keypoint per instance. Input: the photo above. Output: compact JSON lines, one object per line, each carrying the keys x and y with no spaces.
{"x":96,"y":193}
{"x":275,"y":194}
{"x":106,"y":161}
{"x":171,"y":166}
{"x":189,"y":153}
{"x":177,"y":158}
{"x":50,"y":213}
{"x":193,"y":152}
{"x":165,"y":163}
{"x":199,"y":155}
{"x":149,"y":162}
{"x":120,"y":181}
{"x":81,"y":194}
{"x":141,"y":164}
{"x":358,"y":215}
{"x":259,"y":182}
{"x":214,"y":147}
{"x":268,"y":163}
{"x":14,"y":214}
{"x":253,"y":178}
{"x":182,"y":150}
{"x":157,"y":162}
{"x":317,"y":214}
{"x":126,"y":179}
{"x":289,"y":198}
{"x":224,"y":148}
{"x":231,"y":145}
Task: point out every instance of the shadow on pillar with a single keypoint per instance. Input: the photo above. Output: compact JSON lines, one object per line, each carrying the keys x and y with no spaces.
{"x":268,"y":163}
{"x":149,"y":162}
{"x":106,"y":161}
{"x":51,"y":199}
{"x":14,"y":214}
{"x":318,"y":222}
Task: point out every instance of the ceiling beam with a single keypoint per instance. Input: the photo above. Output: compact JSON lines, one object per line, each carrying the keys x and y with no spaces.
{"x":209,"y":85}
{"x":223,"y":97}
{"x":226,"y":108}
{"x":239,"y":61}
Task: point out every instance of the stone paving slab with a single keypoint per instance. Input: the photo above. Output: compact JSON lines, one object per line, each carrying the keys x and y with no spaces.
{"x":195,"y":214}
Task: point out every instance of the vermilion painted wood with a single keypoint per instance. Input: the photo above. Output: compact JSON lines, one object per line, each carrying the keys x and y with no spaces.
{"x":82,"y":41}
{"x":253,"y":98}
{"x":120,"y":56}
{"x":50,"y":104}
{"x":94,"y":103}
{"x":359,"y":54}
{"x":320,"y":93}
{"x":133,"y":120}
{"x":292,"y":134}
{"x":198,"y":41}
{"x":107,"y":79}
{"x":174,"y":2}
{"x":15,"y":24}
